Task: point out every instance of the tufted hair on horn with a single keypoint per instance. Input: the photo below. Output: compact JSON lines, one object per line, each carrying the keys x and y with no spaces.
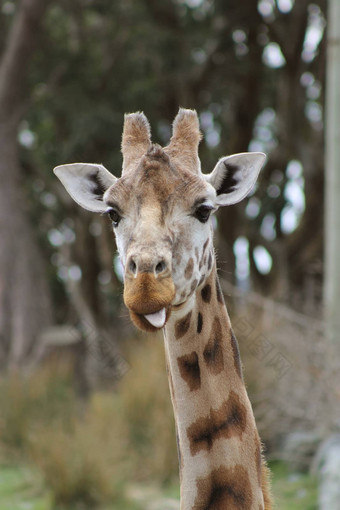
{"x":136,"y":139}
{"x":185,"y":139}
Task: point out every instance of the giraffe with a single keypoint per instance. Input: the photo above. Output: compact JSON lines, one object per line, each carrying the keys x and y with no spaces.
{"x":160,"y":210}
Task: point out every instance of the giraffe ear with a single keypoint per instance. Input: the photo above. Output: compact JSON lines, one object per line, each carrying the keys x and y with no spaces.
{"x":234,"y":176}
{"x":86,"y":183}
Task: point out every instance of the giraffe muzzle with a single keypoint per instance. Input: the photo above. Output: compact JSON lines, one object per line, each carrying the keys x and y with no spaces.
{"x":149,"y":299}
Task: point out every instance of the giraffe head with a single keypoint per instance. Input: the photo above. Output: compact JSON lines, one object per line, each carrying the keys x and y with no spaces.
{"x":160,"y":209}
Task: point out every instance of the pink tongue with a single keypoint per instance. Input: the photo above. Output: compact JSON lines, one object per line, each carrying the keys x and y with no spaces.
{"x":157,"y":319}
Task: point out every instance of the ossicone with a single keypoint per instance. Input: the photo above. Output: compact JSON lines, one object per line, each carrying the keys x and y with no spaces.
{"x":136,"y":138}
{"x":185,"y":139}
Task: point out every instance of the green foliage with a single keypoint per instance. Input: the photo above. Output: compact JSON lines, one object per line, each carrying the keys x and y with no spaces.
{"x":293,"y":491}
{"x":22,"y":487}
{"x":46,"y":397}
{"x":87,"y":453}
{"x":41,"y":422}
{"x":147,"y":411}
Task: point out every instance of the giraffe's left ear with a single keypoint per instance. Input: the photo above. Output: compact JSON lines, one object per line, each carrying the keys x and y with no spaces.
{"x":234,"y":176}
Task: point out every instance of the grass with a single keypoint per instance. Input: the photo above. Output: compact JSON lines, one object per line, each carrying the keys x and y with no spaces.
{"x":87,"y":453}
{"x":22,"y":488}
{"x":293,"y":491}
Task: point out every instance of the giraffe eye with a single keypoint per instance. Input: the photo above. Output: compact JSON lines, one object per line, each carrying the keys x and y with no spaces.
{"x":203,"y":212}
{"x":114,"y":215}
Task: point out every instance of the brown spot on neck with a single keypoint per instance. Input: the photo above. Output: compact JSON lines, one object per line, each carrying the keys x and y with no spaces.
{"x":224,"y":489}
{"x":190,"y":370}
{"x":213,"y":352}
{"x":182,"y":326}
{"x":227,"y":421}
{"x":199,"y":322}
{"x":206,"y":293}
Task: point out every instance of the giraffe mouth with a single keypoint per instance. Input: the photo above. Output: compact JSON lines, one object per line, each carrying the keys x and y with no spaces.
{"x":157,"y":319}
{"x":151,"y":322}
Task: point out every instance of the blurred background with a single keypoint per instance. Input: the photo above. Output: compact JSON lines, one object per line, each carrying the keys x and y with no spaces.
{"x":85,"y":415}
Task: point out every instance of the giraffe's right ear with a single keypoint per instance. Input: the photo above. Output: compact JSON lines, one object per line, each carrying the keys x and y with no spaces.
{"x":86,"y":183}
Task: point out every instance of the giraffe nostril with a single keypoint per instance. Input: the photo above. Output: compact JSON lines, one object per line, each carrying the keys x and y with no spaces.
{"x":132,"y":266}
{"x":161,"y":266}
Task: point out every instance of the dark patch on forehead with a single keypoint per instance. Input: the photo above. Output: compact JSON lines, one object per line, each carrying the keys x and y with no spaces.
{"x":213,"y":352}
{"x":190,"y":370}
{"x":156,"y":152}
{"x":182,"y":326}
{"x":166,"y":204}
{"x":219,"y":293}
{"x":157,"y":170}
{"x":236,"y":354}
{"x":155,"y":178}
{"x":228,"y":421}
{"x":189,"y":269}
{"x":224,"y":489}
{"x":199,"y":322}
{"x":206,"y":293}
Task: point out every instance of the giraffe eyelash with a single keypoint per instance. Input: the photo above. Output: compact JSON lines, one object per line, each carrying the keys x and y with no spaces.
{"x":203,"y":212}
{"x":114,"y":216}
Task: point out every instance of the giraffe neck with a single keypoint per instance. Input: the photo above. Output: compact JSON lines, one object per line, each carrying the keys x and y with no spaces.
{"x":219,"y":447}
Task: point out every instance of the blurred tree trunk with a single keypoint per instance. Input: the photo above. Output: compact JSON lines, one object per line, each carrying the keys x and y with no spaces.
{"x":24,"y":296}
{"x":247,"y":107}
{"x":332,"y":203}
